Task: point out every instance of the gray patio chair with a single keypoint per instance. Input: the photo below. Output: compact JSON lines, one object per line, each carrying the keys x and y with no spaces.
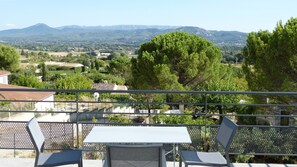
{"x":150,"y":155}
{"x":50,"y":159}
{"x":224,"y":137}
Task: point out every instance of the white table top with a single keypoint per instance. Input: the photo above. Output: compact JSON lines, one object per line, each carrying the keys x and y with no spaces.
{"x":138,"y":134}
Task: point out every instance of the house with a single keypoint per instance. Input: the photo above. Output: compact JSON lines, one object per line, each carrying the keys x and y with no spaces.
{"x":63,"y":64}
{"x":39,"y":101}
{"x":39,"y":98}
{"x":107,"y":86}
{"x":103,"y":54}
{"x":4,"y":76}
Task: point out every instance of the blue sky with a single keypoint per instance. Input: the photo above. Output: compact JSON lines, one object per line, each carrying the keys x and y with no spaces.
{"x":229,"y":15}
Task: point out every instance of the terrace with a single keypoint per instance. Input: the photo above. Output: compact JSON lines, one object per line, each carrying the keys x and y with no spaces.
{"x":29,"y":162}
{"x":268,"y":135}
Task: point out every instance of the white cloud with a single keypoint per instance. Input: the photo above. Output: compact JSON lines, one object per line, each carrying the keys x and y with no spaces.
{"x":7,"y":26}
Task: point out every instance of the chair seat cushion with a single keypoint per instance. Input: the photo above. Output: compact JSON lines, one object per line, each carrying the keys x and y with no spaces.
{"x":203,"y":158}
{"x":60,"y":158}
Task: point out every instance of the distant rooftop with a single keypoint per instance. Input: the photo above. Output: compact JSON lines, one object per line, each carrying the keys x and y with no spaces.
{"x":4,"y":73}
{"x":22,"y":95}
{"x":63,"y":64}
{"x":107,"y":86}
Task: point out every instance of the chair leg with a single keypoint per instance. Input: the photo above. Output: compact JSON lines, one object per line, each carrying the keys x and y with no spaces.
{"x":180,"y":162}
{"x":80,"y":164}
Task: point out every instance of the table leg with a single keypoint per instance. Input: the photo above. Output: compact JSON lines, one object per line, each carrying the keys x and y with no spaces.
{"x":175,"y":152}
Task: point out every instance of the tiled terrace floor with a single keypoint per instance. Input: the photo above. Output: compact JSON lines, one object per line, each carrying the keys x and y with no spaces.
{"x":29,"y":162}
{"x":7,"y":160}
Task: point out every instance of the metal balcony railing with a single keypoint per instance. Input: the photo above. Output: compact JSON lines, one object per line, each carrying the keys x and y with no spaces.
{"x":267,"y":119}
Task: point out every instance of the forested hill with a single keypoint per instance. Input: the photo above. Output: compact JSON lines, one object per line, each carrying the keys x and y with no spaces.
{"x":134,"y":34}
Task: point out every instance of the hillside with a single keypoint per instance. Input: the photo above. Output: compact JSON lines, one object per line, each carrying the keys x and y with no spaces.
{"x":134,"y":34}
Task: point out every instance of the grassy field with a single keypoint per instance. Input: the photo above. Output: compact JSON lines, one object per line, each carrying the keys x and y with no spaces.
{"x":51,"y":53}
{"x":64,"y":53}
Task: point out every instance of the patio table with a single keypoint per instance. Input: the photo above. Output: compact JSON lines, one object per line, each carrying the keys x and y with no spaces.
{"x":139,"y":135}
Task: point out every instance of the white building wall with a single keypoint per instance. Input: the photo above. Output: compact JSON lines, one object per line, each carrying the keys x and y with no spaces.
{"x":45,"y":106}
{"x":4,"y":79}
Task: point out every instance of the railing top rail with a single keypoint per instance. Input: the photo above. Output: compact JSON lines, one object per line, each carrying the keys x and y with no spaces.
{"x":149,"y":91}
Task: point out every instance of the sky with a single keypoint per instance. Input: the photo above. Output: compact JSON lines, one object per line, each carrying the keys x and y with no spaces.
{"x":227,"y":15}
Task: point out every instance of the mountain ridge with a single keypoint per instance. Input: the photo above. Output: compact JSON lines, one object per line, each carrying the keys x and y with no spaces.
{"x":116,"y":34}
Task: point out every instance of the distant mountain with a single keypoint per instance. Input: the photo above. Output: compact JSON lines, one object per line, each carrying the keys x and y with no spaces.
{"x":39,"y":28}
{"x":112,"y":34}
{"x":218,"y":37}
{"x":118,"y":27}
{"x":70,"y":27}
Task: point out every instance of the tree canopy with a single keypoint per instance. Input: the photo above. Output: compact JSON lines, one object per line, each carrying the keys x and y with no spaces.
{"x":76,"y":81}
{"x":27,"y":80}
{"x":175,"y":61}
{"x":120,"y":67}
{"x":44,"y":72}
{"x":9,"y":58}
{"x":271,"y":58}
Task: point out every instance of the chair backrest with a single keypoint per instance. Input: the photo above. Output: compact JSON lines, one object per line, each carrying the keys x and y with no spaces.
{"x":134,"y":155}
{"x":36,"y":135}
{"x":226,"y":133}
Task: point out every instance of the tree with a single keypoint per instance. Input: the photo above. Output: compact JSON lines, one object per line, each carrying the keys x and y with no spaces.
{"x":23,"y":53}
{"x":26,"y":80}
{"x":270,"y":64}
{"x":271,"y":58}
{"x":226,"y":79}
{"x":97,"y":64}
{"x":113,"y":55}
{"x":87,"y":62}
{"x":175,"y":61}
{"x":93,"y":53}
{"x":101,"y":77}
{"x":120,"y":67}
{"x":100,"y":64}
{"x":76,"y":81}
{"x":44,"y":72}
{"x":92,"y":64}
{"x":9,"y":58}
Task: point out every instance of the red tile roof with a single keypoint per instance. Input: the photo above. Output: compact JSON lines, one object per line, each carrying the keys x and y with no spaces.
{"x":22,"y":95}
{"x":4,"y":73}
{"x":103,"y":86}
